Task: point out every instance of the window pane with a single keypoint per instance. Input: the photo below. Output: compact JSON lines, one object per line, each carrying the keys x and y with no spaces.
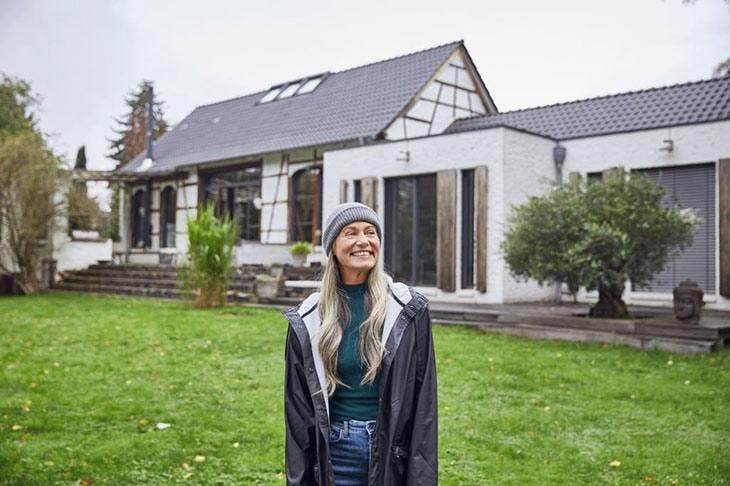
{"x":306,"y":204}
{"x":289,"y":90}
{"x":309,"y":86}
{"x":410,"y":252}
{"x":467,"y":229}
{"x":425,"y":239}
{"x":270,"y":95}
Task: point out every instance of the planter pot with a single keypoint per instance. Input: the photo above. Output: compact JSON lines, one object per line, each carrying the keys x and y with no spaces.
{"x":277,"y":272}
{"x":299,"y":260}
{"x":267,"y":289}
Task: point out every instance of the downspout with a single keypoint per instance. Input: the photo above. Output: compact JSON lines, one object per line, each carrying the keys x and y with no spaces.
{"x":149,"y":156}
{"x":559,"y":153}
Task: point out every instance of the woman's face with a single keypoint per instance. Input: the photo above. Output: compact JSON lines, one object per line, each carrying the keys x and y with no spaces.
{"x":356,"y":249}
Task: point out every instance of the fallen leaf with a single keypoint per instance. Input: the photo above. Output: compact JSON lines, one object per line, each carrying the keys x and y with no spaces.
{"x":85,"y":482}
{"x":546,"y":461}
{"x":185,"y":466}
{"x":17,"y":427}
{"x":614,"y":463}
{"x":649,"y":479}
{"x":670,"y":362}
{"x":236,"y":445}
{"x":686,"y":382}
{"x":162,"y":426}
{"x":187,"y":475}
{"x":199,"y":459}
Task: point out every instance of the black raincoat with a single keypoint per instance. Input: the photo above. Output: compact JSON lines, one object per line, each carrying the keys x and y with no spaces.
{"x":404,"y":450}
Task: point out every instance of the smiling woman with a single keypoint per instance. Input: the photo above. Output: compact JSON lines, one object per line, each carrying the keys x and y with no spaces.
{"x":365,"y":341}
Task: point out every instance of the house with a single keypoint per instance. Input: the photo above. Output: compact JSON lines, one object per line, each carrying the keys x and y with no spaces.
{"x":479,"y":167}
{"x":259,"y":157}
{"x":419,"y":138}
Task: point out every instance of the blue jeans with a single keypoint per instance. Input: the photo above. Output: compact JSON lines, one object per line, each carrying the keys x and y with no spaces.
{"x":350,"y":444}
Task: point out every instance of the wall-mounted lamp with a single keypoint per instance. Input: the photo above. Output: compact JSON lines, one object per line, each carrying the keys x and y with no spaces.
{"x":668,"y":146}
{"x":403,"y":156}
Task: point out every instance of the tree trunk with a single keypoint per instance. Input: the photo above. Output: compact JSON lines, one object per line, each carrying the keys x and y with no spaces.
{"x":609,"y":302}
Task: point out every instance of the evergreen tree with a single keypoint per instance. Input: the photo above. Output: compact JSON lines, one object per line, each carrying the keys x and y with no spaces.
{"x":131,"y":127}
{"x":131,"y":139}
{"x":81,"y":158}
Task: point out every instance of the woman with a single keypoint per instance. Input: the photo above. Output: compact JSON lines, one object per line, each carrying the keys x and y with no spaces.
{"x":360,"y":385}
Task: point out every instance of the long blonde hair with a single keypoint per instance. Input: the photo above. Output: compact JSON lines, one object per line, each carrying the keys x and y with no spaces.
{"x":335,"y":315}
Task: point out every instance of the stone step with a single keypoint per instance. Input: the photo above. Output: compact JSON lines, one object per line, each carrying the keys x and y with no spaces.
{"x":534,"y":331}
{"x":83,"y":278}
{"x":234,"y":295}
{"x":650,"y":326}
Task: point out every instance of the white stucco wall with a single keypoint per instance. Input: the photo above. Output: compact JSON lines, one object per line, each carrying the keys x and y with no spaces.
{"x":693,"y":144}
{"x":528,"y":171}
{"x":501,"y":150}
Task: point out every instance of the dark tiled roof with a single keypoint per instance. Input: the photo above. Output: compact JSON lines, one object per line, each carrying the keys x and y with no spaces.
{"x":681,"y":104}
{"x":358,"y":102}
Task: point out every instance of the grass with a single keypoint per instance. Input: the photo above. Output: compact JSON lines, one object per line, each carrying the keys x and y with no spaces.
{"x":85,"y":380}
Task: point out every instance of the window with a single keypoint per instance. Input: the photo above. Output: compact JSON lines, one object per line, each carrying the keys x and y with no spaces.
{"x":309,"y":86}
{"x":693,"y":187}
{"x":138,"y":219}
{"x":306,"y":204}
{"x":273,"y":93}
{"x":236,"y":194}
{"x":357,"y":189}
{"x":293,"y":88}
{"x":289,"y":90}
{"x":168,"y":208}
{"x":467,"y":229}
{"x":410,"y":249}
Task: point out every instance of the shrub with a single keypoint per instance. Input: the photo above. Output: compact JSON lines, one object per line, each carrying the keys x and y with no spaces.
{"x":302,"y":248}
{"x":598,"y":235}
{"x":210,"y":257}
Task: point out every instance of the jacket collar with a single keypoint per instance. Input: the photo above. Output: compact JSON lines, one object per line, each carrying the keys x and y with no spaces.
{"x":305,"y":322}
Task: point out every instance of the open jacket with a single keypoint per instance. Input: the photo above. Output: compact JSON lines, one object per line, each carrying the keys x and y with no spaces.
{"x":404,"y":449}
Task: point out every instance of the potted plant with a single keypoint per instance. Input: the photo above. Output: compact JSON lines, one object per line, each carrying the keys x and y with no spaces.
{"x":266,"y":286}
{"x":299,"y":251}
{"x":277,"y":270}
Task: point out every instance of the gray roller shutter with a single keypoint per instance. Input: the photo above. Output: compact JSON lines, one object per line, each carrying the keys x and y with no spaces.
{"x":693,"y":186}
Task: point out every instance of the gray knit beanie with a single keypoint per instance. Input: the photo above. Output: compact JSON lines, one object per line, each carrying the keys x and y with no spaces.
{"x":343,"y":215}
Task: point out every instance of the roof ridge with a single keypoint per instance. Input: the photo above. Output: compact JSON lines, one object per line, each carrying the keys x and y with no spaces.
{"x":454,"y":43}
{"x":614,"y":95}
{"x":330,"y":73}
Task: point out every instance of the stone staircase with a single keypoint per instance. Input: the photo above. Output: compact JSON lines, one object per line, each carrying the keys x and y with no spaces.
{"x":163,"y":281}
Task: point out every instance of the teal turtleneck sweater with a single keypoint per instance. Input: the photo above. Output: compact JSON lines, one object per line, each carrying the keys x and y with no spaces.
{"x":356,"y":401}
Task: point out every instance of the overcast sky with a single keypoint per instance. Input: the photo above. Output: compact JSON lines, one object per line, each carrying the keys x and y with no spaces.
{"x":83,"y":56}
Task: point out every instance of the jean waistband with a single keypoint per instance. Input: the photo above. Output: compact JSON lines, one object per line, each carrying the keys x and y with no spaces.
{"x":355,"y":424}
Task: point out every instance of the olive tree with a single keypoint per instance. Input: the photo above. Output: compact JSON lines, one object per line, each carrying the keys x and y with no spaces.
{"x":599,"y":235}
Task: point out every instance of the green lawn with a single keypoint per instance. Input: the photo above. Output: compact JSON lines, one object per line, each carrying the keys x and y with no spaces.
{"x":85,"y":381}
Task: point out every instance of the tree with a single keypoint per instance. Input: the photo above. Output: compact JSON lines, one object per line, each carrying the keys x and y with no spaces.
{"x":30,"y":178}
{"x":83,"y":211}
{"x":598,"y":235}
{"x":131,"y":133}
{"x":132,"y":126}
{"x":15,"y":105}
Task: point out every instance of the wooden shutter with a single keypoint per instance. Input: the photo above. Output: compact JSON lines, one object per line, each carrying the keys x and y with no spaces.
{"x":343,"y":191}
{"x":481,"y":191}
{"x":369,"y":188}
{"x":723,"y":176}
{"x":446,"y":230}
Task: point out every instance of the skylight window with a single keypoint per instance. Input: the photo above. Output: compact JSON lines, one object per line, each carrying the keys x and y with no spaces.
{"x":310,"y":85}
{"x":289,"y":90}
{"x":273,"y":92}
{"x":294,"y":88}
